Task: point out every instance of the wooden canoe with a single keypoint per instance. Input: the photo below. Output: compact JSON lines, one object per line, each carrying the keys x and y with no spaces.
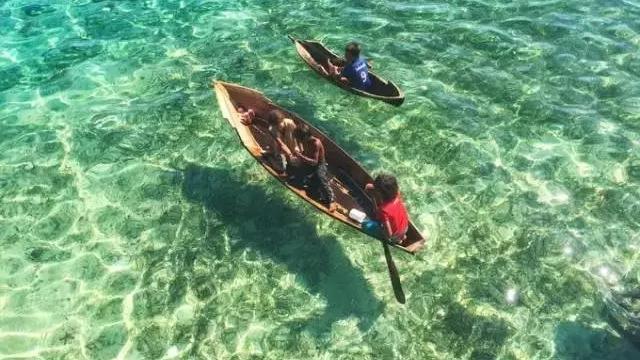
{"x":315,"y":54}
{"x":347,"y":177}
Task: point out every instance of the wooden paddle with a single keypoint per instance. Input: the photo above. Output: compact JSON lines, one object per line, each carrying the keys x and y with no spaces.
{"x":393,"y":274}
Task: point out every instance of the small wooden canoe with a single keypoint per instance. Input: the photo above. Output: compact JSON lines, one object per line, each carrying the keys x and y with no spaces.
{"x":315,"y":54}
{"x":347,"y":177}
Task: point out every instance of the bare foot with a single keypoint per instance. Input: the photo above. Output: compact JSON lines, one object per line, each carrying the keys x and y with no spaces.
{"x":332,"y":207}
{"x":401,"y":242}
{"x":342,"y":211}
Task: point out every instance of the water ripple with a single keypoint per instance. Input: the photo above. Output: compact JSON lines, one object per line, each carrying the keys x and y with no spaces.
{"x":133,"y":224}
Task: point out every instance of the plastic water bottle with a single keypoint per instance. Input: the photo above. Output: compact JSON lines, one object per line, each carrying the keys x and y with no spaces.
{"x":357,"y":215}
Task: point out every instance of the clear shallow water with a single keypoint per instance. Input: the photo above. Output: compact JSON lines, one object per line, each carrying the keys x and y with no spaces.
{"x":133,"y":225}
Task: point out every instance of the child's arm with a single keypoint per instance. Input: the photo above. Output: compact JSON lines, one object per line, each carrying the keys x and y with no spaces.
{"x":316,"y":155}
{"x":246,"y":120}
{"x":332,"y":69}
{"x":387,"y":229}
{"x":284,"y":148}
{"x":370,"y":190}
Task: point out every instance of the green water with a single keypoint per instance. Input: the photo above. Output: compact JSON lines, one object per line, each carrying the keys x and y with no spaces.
{"x":133,"y":225}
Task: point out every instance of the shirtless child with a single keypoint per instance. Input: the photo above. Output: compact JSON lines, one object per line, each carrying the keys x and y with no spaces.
{"x":312,"y":169}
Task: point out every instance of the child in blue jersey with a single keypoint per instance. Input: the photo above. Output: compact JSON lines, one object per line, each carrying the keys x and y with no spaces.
{"x":355,"y":71}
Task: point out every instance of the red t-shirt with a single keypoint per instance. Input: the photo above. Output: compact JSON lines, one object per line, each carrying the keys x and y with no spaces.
{"x":396,"y":213}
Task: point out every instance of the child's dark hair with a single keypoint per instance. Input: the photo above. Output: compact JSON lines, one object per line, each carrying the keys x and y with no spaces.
{"x":387,"y":185}
{"x":302,"y":132}
{"x":274,"y":116}
{"x":353,"y":48}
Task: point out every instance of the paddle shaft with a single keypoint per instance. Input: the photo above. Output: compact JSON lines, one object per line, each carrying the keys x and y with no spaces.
{"x":393,"y":274}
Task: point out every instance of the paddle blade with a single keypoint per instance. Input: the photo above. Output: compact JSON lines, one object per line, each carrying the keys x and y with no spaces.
{"x":393,"y":274}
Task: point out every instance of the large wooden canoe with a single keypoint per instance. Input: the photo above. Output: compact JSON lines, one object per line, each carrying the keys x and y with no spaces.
{"x":347,"y":177}
{"x":315,"y":54}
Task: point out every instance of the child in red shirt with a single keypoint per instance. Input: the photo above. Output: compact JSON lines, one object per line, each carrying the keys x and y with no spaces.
{"x":391,"y":218}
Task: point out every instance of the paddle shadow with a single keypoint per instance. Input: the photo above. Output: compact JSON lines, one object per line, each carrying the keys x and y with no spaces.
{"x":284,"y":235}
{"x":578,"y":341}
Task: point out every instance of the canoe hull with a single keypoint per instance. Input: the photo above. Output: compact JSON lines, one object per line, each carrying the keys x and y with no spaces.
{"x":347,"y":177}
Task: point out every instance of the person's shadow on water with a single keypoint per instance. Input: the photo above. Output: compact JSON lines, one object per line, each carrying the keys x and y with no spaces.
{"x":317,"y":260}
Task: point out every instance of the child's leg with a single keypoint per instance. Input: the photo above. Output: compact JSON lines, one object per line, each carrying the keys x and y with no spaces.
{"x":373,"y":228}
{"x":326,"y":192}
{"x":332,"y":69}
{"x":297,"y":174}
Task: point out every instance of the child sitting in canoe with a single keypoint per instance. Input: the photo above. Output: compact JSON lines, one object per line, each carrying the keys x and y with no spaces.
{"x":391,"y":218}
{"x":311,"y":170}
{"x":281,"y":130}
{"x":355,"y":71}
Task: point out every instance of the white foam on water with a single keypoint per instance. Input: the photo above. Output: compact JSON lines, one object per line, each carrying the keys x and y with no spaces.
{"x":583,"y":169}
{"x":172,"y":352}
{"x":177,"y":53}
{"x":552,"y":195}
{"x":511,"y":296}
{"x":9,"y":55}
{"x":249,"y":342}
{"x":608,"y":275}
{"x":607,"y":127}
{"x":619,"y":174}
{"x":567,"y":250}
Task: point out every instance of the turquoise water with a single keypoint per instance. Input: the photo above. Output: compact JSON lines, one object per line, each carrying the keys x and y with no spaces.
{"x":134,"y":226}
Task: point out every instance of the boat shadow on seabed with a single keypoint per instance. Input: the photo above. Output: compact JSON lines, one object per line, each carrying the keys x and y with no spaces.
{"x":575,"y":340}
{"x":285,"y":236}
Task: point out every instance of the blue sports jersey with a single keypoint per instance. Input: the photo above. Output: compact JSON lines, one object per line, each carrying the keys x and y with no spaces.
{"x":357,"y":73}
